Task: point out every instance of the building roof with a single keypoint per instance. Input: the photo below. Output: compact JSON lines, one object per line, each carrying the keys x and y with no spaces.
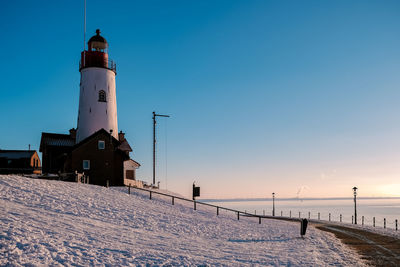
{"x":115,"y":141}
{"x":125,"y":146}
{"x":122,"y":147}
{"x":17,"y":154}
{"x":53,"y":139}
{"x":134,"y":161}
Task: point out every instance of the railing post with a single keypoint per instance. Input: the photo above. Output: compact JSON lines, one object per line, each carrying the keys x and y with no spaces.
{"x":362,"y":220}
{"x":352,"y":219}
{"x":373,"y":219}
{"x":129,"y":189}
{"x":217,"y":211}
{"x":384,"y":223}
{"x":396,"y":223}
{"x":319,"y":216}
{"x":194,"y":205}
{"x":329,"y":217}
{"x":238,"y":215}
{"x":290,"y":214}
{"x":299,"y":214}
{"x":281,"y":213}
{"x":340,"y":217}
{"x":150,"y":194}
{"x":173,"y":200}
{"x":263,"y":212}
{"x":309,"y":215}
{"x":255,"y":212}
{"x":259,"y":220}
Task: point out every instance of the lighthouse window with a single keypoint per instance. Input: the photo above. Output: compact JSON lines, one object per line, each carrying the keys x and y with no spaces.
{"x":102,"y":96}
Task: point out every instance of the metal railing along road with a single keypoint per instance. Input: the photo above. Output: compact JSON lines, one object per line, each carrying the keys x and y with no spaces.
{"x":238,"y":213}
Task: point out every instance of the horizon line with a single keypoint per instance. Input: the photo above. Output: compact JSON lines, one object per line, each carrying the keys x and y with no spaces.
{"x":288,"y":199}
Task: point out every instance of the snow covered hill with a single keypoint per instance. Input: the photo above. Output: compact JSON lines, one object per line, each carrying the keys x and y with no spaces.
{"x":58,"y":223}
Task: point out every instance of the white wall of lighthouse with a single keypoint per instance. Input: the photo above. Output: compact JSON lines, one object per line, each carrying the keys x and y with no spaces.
{"x":94,"y":111}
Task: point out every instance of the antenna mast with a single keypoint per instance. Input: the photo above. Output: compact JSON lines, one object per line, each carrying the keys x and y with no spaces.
{"x":154,"y":143}
{"x":84,"y":32}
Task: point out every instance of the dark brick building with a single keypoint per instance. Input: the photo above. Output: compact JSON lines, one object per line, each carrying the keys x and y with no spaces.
{"x":19,"y":161}
{"x":55,"y":149}
{"x":100,"y":156}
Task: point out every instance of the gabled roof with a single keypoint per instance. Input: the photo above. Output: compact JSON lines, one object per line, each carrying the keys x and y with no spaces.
{"x":17,"y":154}
{"x":117,"y":143}
{"x":134,"y":161}
{"x":53,"y":139}
{"x":125,"y":146}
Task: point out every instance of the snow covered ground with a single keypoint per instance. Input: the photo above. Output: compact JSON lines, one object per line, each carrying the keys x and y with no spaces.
{"x":58,"y":223}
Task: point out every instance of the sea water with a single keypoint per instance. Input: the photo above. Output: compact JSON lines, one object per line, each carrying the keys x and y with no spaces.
{"x":382,"y":208}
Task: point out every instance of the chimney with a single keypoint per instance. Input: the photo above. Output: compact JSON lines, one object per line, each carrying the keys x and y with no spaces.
{"x":72,"y":133}
{"x":121,"y":136}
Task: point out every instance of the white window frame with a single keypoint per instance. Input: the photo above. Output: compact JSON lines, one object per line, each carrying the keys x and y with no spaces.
{"x":88,"y":164}
{"x":101,"y":144}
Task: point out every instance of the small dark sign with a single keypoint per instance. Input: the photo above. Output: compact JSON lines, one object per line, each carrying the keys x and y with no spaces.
{"x":196,"y":191}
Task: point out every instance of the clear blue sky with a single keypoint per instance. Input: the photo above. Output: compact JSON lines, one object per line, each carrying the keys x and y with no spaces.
{"x":265,"y":96}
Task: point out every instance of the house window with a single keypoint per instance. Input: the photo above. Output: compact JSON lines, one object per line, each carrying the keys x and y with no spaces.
{"x":101,"y":144}
{"x":86,"y":164}
{"x":102,"y":96}
{"x":130,"y":174}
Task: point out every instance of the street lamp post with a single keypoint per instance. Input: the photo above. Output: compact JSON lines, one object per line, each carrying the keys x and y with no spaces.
{"x":273,"y":204}
{"x":355,"y":204}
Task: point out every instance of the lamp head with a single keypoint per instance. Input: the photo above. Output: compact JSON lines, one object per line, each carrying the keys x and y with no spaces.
{"x":355,"y":190}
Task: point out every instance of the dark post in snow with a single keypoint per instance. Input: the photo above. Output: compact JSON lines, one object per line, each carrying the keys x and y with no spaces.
{"x":273,"y":204}
{"x":154,"y":144}
{"x":355,"y":204}
{"x":303,"y":227}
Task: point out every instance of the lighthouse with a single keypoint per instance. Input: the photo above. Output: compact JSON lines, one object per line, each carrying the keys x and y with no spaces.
{"x":97,"y":98}
{"x":95,"y":149}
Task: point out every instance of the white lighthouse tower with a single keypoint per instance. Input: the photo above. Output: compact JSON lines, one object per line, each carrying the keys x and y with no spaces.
{"x":97,"y":99}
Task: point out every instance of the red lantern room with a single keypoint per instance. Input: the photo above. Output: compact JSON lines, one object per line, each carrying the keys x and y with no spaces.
{"x":96,"y":55}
